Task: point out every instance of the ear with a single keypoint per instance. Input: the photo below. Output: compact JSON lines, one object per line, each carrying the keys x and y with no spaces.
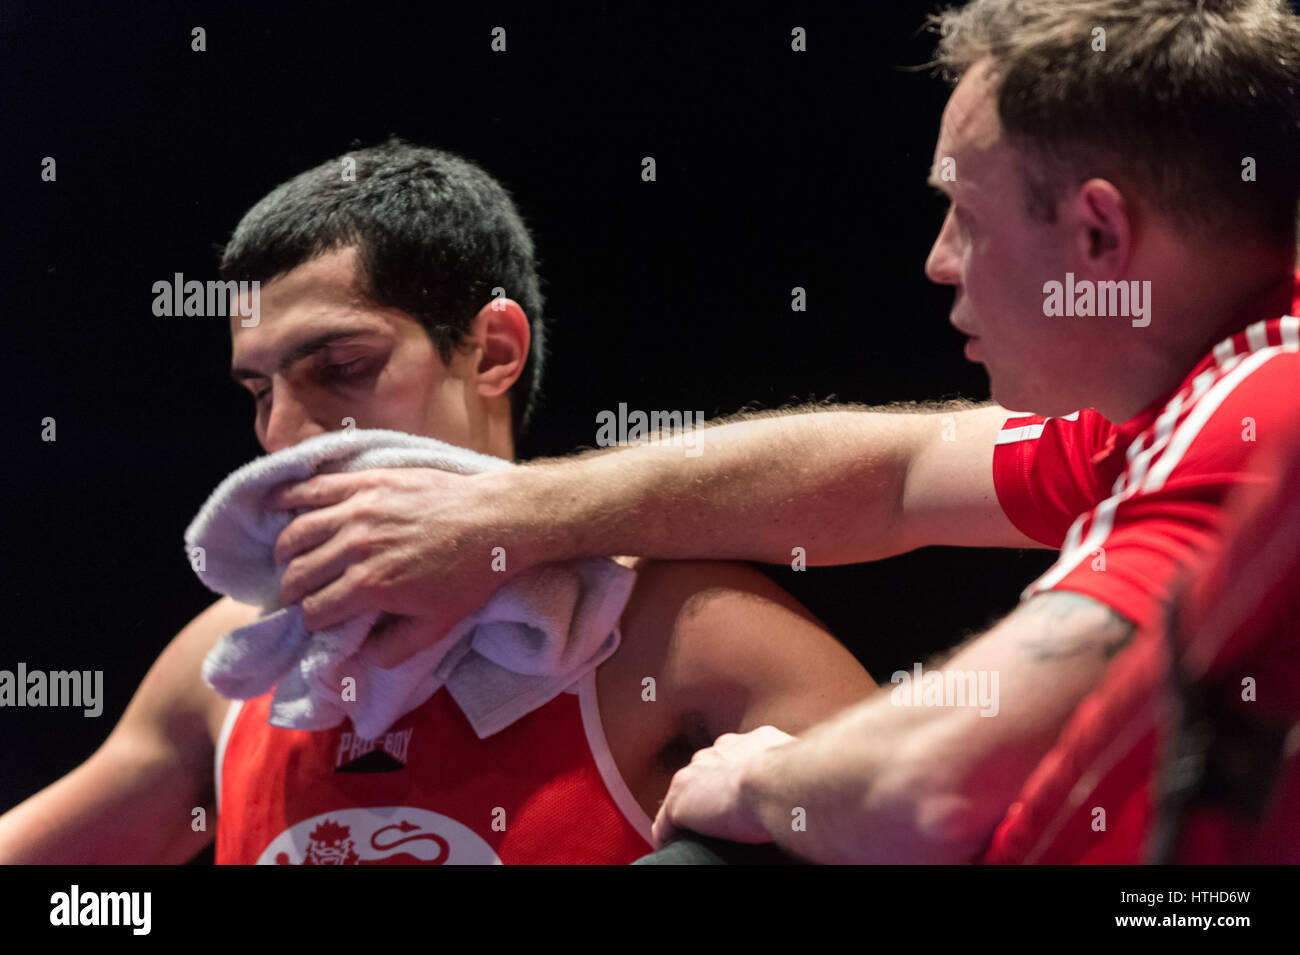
{"x":1105,"y":228}
{"x":500,"y":329}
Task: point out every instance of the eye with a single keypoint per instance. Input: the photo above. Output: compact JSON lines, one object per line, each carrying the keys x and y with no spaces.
{"x":347,"y":368}
{"x":963,"y":218}
{"x":344,"y":371}
{"x":259,"y":395}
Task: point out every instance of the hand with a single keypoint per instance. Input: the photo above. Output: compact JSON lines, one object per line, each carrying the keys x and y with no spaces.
{"x":707,"y":795}
{"x":415,"y":543}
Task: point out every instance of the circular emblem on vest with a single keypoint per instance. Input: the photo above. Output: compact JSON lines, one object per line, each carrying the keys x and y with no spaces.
{"x":379,"y":835}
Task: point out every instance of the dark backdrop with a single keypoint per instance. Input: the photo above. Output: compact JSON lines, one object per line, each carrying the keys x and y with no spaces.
{"x":775,"y":169}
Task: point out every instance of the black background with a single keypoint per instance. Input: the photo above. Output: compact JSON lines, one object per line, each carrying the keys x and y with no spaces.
{"x":775,"y":169}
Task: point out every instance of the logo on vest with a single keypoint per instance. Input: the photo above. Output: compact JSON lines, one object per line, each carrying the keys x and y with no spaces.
{"x":382,"y":835}
{"x":386,"y":754}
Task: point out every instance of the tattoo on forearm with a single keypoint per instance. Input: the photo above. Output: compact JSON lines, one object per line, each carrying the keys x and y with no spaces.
{"x":1075,"y":625}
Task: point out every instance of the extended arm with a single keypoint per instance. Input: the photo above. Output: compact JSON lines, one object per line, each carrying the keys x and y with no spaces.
{"x":845,"y":486}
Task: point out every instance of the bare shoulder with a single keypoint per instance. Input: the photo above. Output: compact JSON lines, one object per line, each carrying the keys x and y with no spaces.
{"x":725,"y":638}
{"x":207,"y":628}
{"x":713,"y":647}
{"x":702,"y":591}
{"x":173,"y":696}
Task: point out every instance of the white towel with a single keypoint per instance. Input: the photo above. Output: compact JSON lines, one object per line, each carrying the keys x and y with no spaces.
{"x":538,"y":634}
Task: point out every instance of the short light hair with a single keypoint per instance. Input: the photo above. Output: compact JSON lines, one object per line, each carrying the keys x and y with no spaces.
{"x":1183,"y":93}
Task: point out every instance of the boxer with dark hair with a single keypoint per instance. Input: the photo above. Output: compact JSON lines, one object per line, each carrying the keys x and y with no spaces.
{"x":405,"y":297}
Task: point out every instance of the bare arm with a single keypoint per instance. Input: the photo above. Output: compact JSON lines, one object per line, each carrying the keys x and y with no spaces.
{"x":728,"y":651}
{"x":843,"y":485}
{"x":132,"y":801}
{"x":846,"y":485}
{"x":884,"y":782}
{"x":740,"y":651}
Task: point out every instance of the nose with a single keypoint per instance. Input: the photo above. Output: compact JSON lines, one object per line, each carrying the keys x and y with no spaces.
{"x":943,"y":264}
{"x":290,"y":419}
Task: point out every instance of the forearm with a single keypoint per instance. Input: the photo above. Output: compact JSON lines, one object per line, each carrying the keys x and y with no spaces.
{"x":120,"y":807}
{"x":829,"y":482}
{"x":892,"y":781}
{"x":862,"y":788}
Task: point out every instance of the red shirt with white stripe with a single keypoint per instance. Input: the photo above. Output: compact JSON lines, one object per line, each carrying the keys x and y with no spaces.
{"x":1093,"y":800}
{"x":1134,"y":507}
{"x":1129,"y":505}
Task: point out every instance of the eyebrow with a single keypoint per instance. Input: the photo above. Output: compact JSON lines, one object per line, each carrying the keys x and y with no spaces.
{"x":296,"y":354}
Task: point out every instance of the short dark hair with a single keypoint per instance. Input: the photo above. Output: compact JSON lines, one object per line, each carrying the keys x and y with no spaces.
{"x":435,"y":234}
{"x":1185,"y":90}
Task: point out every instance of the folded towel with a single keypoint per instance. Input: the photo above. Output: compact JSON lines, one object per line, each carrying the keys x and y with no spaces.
{"x":543,"y":630}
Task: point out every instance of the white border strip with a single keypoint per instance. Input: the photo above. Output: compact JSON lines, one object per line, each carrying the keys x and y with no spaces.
{"x":1224,"y":350}
{"x":1290,"y":329}
{"x":1170,"y":444}
{"x":1200,"y":414}
{"x":599,"y":746}
{"x":1257,"y":336}
{"x":1024,"y":433}
{"x":227,"y":727}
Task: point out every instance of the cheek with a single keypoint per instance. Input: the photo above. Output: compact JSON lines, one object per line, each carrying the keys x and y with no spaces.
{"x":422,"y":398}
{"x":407,"y":398}
{"x":394,"y":400}
{"x":1003,"y":288}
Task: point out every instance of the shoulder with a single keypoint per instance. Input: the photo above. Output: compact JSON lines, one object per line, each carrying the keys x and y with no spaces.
{"x":173,"y":694}
{"x":1214,"y":424}
{"x":1261,"y":386}
{"x":723,"y":636}
{"x":710,"y":587}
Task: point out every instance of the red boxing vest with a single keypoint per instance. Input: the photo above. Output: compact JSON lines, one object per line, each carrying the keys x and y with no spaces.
{"x":545,"y":790}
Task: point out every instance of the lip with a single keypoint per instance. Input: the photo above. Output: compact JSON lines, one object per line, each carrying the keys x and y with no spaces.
{"x":972,"y":349}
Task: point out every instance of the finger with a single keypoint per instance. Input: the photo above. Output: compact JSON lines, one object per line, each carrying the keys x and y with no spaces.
{"x":725,"y":744}
{"x":347,"y":596}
{"x":661,"y":830}
{"x":774,"y":735}
{"x":319,"y":491}
{"x":313,"y":571}
{"x":307,"y":532}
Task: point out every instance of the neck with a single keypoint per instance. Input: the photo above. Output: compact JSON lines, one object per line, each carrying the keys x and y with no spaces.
{"x":1204,"y":313}
{"x":1267,"y":298}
